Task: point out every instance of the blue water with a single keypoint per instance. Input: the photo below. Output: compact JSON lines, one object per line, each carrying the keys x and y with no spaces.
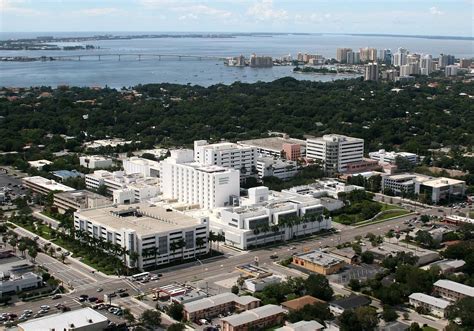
{"x":129,"y":71}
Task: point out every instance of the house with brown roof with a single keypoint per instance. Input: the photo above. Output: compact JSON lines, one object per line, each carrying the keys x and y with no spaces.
{"x":297,"y":304}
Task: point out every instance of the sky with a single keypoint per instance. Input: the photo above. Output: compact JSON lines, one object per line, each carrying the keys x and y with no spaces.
{"x":414,"y":17}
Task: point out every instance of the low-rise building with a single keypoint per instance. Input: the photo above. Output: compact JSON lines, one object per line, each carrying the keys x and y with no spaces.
{"x":299,"y":303}
{"x":79,"y":199}
{"x":446,"y":266}
{"x":285,"y":147}
{"x":267,"y":216}
{"x":114,"y":142}
{"x":337,"y":307}
{"x":391,"y":157}
{"x":218,"y":304}
{"x":302,"y":326}
{"x":387,"y":249}
{"x":324,"y":187}
{"x":268,"y":166}
{"x":124,"y":188}
{"x":258,"y":284}
{"x":254,"y":319}
{"x":319,"y":262}
{"x":39,"y":164}
{"x":85,"y":319}
{"x":44,"y":186}
{"x":159,"y":235}
{"x":452,"y":291}
{"x":95,"y":162}
{"x":347,"y":255}
{"x":16,"y":276}
{"x":62,"y":175}
{"x":435,"y":306}
{"x":144,"y":167}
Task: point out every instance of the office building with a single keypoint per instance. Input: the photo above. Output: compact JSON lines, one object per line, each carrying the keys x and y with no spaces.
{"x":445,"y":60}
{"x":388,"y":249}
{"x":440,"y":188}
{"x":426,"y":65}
{"x":79,"y":199}
{"x":409,"y":69}
{"x":144,"y":167}
{"x":95,"y":162}
{"x":368,"y":54}
{"x":124,"y":188}
{"x":335,"y":151}
{"x":451,"y":70}
{"x":260,"y":318}
{"x":284,"y":147}
{"x":452,"y":291}
{"x":84,"y":319}
{"x":39,"y":164}
{"x":262,"y":218}
{"x":190,"y":182}
{"x":435,"y":306}
{"x":159,"y":235}
{"x":323,"y":188}
{"x":258,"y":284}
{"x":260,"y":61}
{"x":341,"y":54}
{"x":268,"y":166}
{"x":402,"y":183}
{"x":319,"y":262}
{"x":302,"y":326}
{"x":383,"y":156}
{"x":42,"y":185}
{"x":218,"y":304}
{"x":228,"y":155}
{"x":371,"y":72}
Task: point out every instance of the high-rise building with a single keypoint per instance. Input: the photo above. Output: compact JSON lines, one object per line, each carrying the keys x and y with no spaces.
{"x":335,"y":151}
{"x":400,"y":57}
{"x":353,"y":57}
{"x":445,"y":60}
{"x":368,"y":54}
{"x":196,"y":184}
{"x":341,"y":54}
{"x":410,"y":69}
{"x":260,"y":61}
{"x":426,"y":65}
{"x":413,"y":58}
{"x":371,"y":71}
{"x":385,"y":56}
{"x":451,"y":70}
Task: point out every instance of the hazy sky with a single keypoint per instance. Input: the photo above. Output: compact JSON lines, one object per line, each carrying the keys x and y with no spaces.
{"x":445,"y":17}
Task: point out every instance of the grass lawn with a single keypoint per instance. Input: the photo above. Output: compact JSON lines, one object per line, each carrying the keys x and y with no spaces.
{"x":428,"y":328}
{"x":471,"y":214}
{"x":387,"y":206}
{"x":390,"y":214}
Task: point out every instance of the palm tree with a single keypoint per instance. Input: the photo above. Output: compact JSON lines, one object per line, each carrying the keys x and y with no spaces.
{"x":199,"y":243}
{"x":265,"y":229}
{"x":133,"y":258}
{"x":33,"y":253}
{"x":13,"y":242}
{"x":275,"y":229}
{"x":181,"y":244}
{"x":212,"y":237}
{"x":22,"y":248}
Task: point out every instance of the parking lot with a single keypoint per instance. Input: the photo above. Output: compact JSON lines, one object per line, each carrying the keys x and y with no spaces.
{"x":11,"y":187}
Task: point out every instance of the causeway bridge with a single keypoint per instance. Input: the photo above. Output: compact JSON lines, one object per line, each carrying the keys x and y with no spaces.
{"x":113,"y":56}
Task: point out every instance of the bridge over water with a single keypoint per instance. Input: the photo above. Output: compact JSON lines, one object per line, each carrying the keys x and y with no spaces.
{"x":115,"y":56}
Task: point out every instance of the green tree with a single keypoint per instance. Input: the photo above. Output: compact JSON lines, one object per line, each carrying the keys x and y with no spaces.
{"x":128,"y":316}
{"x":150,"y":318}
{"x":463,"y":310}
{"x":235,"y":289}
{"x":176,"y":327}
{"x":318,"y":286}
{"x":175,"y":310}
{"x":389,"y":314}
{"x":367,"y":257}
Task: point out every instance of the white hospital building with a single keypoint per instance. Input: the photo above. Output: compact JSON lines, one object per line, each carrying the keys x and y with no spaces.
{"x":189,"y":182}
{"x":335,"y":151}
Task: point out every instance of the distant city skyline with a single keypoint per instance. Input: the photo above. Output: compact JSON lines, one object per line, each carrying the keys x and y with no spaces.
{"x":421,"y":17}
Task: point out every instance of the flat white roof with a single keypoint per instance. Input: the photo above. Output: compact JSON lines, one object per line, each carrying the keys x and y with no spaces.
{"x":433,"y":301}
{"x":39,"y":163}
{"x":273,"y":143}
{"x":455,"y":287}
{"x":254,"y":315}
{"x":443,"y":181}
{"x":302,"y":326}
{"x":79,"y":318}
{"x":218,"y":300}
{"x":48,"y":184}
{"x":144,"y":218}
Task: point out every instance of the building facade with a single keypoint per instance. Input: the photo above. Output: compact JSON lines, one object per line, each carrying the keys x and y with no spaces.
{"x":272,"y":167}
{"x":335,"y":151}
{"x":44,"y":186}
{"x":159,"y":235}
{"x":319,"y":262}
{"x":260,"y":318}
{"x":435,"y":306}
{"x":452,"y":291}
{"x":95,"y":162}
{"x":192,"y":183}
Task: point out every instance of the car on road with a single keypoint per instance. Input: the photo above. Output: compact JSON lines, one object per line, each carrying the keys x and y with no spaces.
{"x":27,"y":312}
{"x":44,"y":307}
{"x":100,"y":289}
{"x":56,"y":296}
{"x":80,"y":299}
{"x":121,"y":290}
{"x":274,"y":256}
{"x":93,"y":299}
{"x":159,"y":275}
{"x":123,"y":295}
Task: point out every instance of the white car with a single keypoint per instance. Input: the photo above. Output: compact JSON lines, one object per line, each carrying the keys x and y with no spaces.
{"x":44,"y":307}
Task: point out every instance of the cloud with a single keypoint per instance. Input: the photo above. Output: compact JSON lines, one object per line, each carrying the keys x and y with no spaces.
{"x":11,"y":6}
{"x":99,"y":11}
{"x":264,"y":11}
{"x":204,"y":10}
{"x":188,"y":17}
{"x":435,"y":11}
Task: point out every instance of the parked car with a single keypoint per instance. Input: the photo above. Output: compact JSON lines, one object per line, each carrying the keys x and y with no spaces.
{"x":56,"y":296}
{"x":44,"y":307}
{"x":123,"y":295}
